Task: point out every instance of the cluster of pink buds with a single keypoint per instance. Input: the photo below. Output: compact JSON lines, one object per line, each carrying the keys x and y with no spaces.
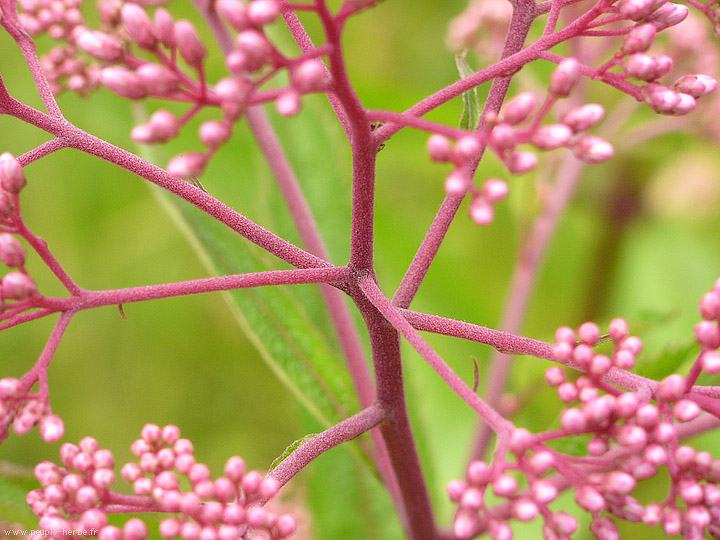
{"x":166,"y":479}
{"x":57,"y":18}
{"x":17,"y":286}
{"x":24,"y":411}
{"x":632,"y":436}
{"x":653,"y":16}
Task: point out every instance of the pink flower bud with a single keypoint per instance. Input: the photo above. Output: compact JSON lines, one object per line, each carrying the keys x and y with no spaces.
{"x":309,"y":76}
{"x":11,"y":252}
{"x":591,"y":149}
{"x":521,"y":162}
{"x":668,"y":15}
{"x":554,"y":376}
{"x":503,"y":136}
{"x":636,"y":10}
{"x":671,"y":388}
{"x":255,"y":46}
{"x":288,"y":103}
{"x":639,"y":39}
{"x":189,"y":44}
{"x":18,"y":286}
{"x":685,"y":410}
{"x":663,"y":65}
{"x":232,"y":89}
{"x":457,"y":183}
{"x":565,"y":77}
{"x":551,"y":136}
{"x":165,"y":27}
{"x":251,"y":482}
{"x":52,"y":428}
{"x":467,"y":148}
{"x":464,"y":526}
{"x":455,"y":490}
{"x":135,"y":529}
{"x":711,"y":362}
{"x":573,"y":420}
{"x":505,"y":485}
{"x":494,"y":190}
{"x":604,"y":529}
{"x":262,"y":12}
{"x":589,"y":499}
{"x":139,"y":26}
{"x":158,"y":80}
{"x":524,"y":509}
{"x":123,"y":82}
{"x":187,"y":165}
{"x":519,"y":108}
{"x":286,"y":525}
{"x":235,"y":468}
{"x":478,"y":473}
{"x":707,"y":334}
{"x":164,"y":125}
{"x":696,"y":85}
{"x":439,"y":148}
{"x":481,"y":211}
{"x":169,"y":528}
{"x":12,"y":178}
{"x":213,"y":133}
{"x":471,"y":499}
{"x":234,"y":12}
{"x":99,"y":45}
{"x":641,"y":66}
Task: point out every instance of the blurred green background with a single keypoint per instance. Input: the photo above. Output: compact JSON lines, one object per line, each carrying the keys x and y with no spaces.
{"x":186,"y":361}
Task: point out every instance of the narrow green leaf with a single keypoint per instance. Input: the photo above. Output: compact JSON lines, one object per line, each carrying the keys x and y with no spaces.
{"x":470,"y":117}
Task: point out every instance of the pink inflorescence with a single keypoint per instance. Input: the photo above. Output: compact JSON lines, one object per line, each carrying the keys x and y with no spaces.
{"x":166,"y":478}
{"x":632,"y":436}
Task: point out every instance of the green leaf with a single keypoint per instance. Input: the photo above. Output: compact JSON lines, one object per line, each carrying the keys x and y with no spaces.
{"x":290,"y":449}
{"x":471,"y":102}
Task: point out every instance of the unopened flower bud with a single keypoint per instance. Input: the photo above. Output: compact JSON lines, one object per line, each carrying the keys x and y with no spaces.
{"x":641,"y":66}
{"x":189,"y":44}
{"x":639,"y":39}
{"x":565,"y":76}
{"x":139,"y":26}
{"x":158,"y":80}
{"x":262,"y":12}
{"x":551,"y":136}
{"x":18,"y":286}
{"x":123,"y":82}
{"x":165,"y":27}
{"x":288,"y":103}
{"x":164,"y":125}
{"x":696,"y":85}
{"x":481,"y":211}
{"x":668,"y":15}
{"x":671,"y":388}
{"x":309,"y":76}
{"x":457,"y":183}
{"x":11,"y":251}
{"x":188,"y":165}
{"x":234,"y":12}
{"x":467,"y":148}
{"x":99,"y":45}
{"x":255,"y":46}
{"x":439,"y":148}
{"x":495,"y":190}
{"x":519,"y":108}
{"x":521,"y":162}
{"x":636,"y":10}
{"x":233,"y":90}
{"x":591,"y":149}
{"x":663,"y":65}
{"x":503,"y":136}
{"x":213,"y":133}
{"x":52,"y":428}
{"x":12,"y":178}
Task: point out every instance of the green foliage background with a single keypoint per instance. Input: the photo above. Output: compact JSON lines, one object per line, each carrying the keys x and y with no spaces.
{"x":186,"y":360}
